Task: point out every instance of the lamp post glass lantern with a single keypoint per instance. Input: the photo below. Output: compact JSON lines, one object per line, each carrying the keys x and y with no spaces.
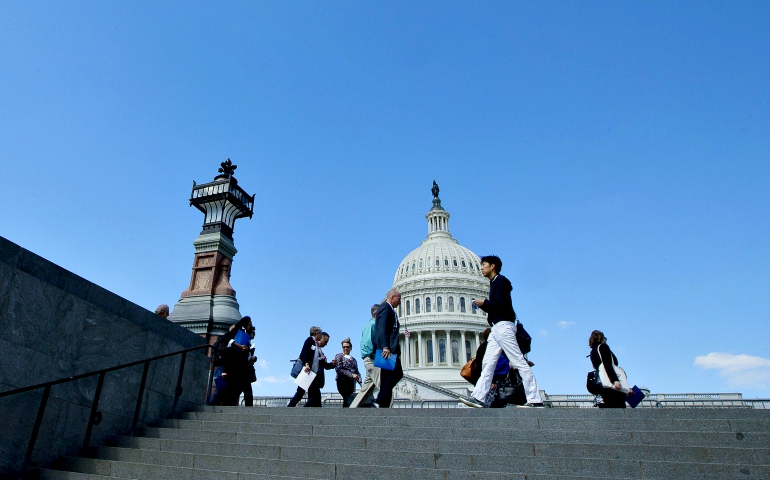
{"x":208,"y":306}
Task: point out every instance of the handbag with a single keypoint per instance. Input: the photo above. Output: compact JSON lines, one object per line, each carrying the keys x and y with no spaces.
{"x":604,"y":379}
{"x":296,"y":368}
{"x":467,"y":371}
{"x":593,"y":384}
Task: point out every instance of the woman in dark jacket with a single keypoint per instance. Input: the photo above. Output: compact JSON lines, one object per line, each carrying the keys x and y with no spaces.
{"x":313,"y":359}
{"x":601,"y":353}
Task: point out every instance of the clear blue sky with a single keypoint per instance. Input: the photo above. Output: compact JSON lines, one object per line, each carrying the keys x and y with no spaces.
{"x":616,"y":155}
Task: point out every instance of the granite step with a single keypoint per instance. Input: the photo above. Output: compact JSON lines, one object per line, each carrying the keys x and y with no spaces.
{"x":658,"y":413}
{"x":294,"y":462}
{"x":441,"y":431}
{"x":321,"y":471}
{"x":479,"y":422}
{"x":268,"y":446}
{"x":725,"y":439}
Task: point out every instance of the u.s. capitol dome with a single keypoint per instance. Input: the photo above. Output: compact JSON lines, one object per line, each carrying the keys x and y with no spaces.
{"x":437,"y":281}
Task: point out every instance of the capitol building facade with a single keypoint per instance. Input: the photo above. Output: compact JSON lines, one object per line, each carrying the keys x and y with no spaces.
{"x":440,"y":326}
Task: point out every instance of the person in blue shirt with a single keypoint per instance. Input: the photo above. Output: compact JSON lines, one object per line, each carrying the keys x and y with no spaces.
{"x":365,"y":396}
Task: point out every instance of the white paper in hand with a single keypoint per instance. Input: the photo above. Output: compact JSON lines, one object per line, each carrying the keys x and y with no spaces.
{"x":304,"y":379}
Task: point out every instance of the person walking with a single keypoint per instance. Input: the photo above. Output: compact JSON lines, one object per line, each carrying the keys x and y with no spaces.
{"x":314,"y":390}
{"x":502,"y":338}
{"x":347,"y":373}
{"x":602,"y":355}
{"x":309,"y":356}
{"x":234,"y":361}
{"x":365,"y":396}
{"x":386,"y":335}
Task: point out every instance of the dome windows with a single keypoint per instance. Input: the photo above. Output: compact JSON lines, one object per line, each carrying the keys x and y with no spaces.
{"x":421,"y":263}
{"x":427,"y":305}
{"x":438,"y":262}
{"x":451,"y":304}
{"x":408,"y":308}
{"x":407,"y":269}
{"x":416,"y":305}
{"x":464,"y":266}
{"x":430,"y":351}
{"x":455,"y":351}
{"x":454,"y":262}
{"x":442,"y":351}
{"x":446,"y":262}
{"x":462,"y":304}
{"x":439,"y":305}
{"x":413,"y":265}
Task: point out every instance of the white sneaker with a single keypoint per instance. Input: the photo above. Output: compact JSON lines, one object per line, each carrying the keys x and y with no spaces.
{"x":472,"y":402}
{"x":531,"y":405}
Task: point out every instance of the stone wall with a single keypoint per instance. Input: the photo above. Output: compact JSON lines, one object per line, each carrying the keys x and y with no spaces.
{"x":55,"y":324}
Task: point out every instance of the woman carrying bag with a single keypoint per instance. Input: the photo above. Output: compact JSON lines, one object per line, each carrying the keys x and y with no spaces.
{"x":602,"y":357}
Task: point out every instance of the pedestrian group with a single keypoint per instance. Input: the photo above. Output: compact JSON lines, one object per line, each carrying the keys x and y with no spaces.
{"x":502,"y":376}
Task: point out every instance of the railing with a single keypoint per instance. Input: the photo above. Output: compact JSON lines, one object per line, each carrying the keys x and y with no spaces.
{"x":440,"y":404}
{"x":95,"y":418}
{"x":561,"y":401}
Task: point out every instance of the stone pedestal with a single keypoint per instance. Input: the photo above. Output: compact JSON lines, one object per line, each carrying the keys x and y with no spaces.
{"x":209,"y":299}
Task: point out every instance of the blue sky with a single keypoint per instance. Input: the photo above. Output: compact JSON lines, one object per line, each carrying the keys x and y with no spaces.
{"x":615,"y":155}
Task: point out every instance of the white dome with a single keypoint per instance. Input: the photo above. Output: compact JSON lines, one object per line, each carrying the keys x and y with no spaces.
{"x":437,"y":256}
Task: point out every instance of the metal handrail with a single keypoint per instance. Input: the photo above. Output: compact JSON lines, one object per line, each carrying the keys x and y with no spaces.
{"x":95,"y":418}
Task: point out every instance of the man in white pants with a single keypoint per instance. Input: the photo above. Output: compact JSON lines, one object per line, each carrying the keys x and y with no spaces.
{"x":502,"y":318}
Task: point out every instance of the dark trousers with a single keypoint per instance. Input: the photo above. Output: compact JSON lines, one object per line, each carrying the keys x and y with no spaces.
{"x":388,"y":381}
{"x":612,"y":398}
{"x":248,"y":395}
{"x":296,"y":398}
{"x":347,"y":387}
{"x":314,"y":393}
{"x":313,"y":396}
{"x":232,"y":391}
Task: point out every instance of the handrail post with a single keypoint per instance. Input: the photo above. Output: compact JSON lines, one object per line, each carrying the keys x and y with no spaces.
{"x":92,"y":417}
{"x":212,"y":358}
{"x":35,"y":430}
{"x":178,"y":392}
{"x":139,"y":400}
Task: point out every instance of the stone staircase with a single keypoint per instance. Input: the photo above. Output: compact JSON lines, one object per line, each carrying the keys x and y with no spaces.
{"x":237,"y":443}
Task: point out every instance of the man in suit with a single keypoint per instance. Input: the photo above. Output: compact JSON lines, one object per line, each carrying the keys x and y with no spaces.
{"x":502,"y":318}
{"x":386,"y":336}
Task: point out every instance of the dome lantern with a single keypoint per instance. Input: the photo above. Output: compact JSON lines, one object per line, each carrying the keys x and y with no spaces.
{"x":438,"y":218}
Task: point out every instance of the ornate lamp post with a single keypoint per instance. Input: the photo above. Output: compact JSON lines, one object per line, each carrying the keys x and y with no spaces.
{"x":208,"y":306}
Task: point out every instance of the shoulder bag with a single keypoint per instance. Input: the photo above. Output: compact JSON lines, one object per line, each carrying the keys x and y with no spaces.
{"x":467,"y":371}
{"x":296,"y":368}
{"x":605,"y":379}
